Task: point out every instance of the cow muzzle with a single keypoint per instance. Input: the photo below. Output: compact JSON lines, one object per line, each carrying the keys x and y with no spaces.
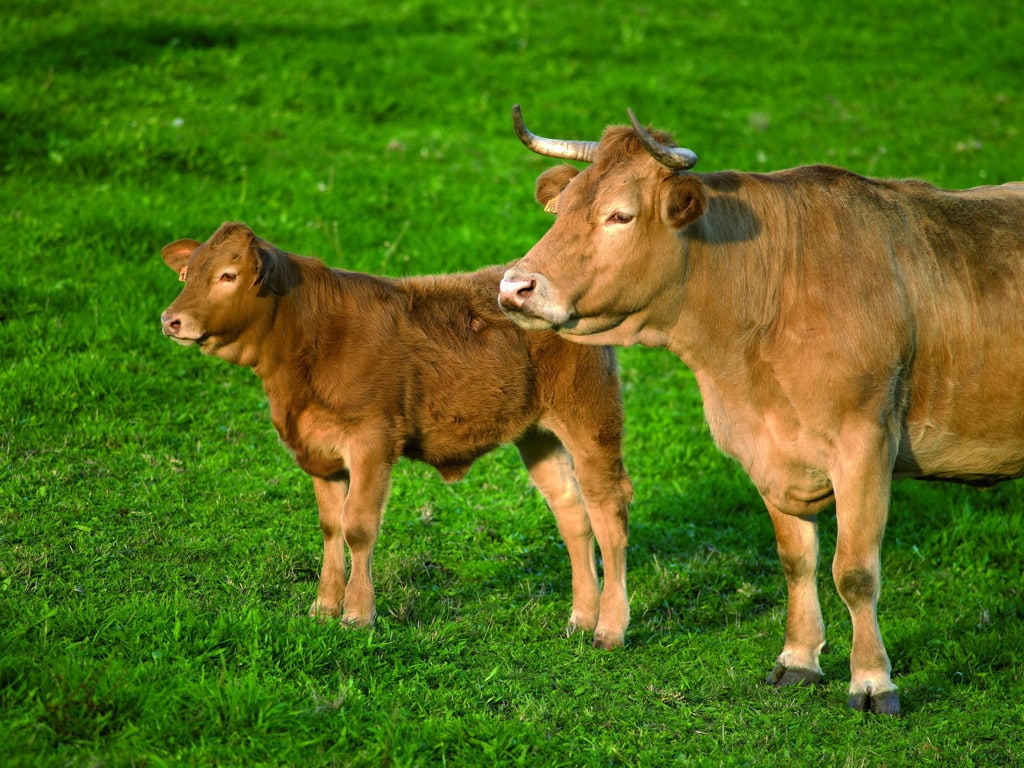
{"x":178,"y":328}
{"x":531,"y":301}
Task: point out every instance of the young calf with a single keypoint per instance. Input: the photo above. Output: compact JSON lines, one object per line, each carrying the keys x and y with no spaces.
{"x":360,"y":370}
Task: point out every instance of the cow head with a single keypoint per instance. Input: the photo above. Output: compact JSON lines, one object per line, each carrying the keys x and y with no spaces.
{"x":596,"y":273}
{"x":230,"y":285}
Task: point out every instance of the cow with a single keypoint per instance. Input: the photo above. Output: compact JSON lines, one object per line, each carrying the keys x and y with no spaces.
{"x":361,"y":370}
{"x":842,"y":331}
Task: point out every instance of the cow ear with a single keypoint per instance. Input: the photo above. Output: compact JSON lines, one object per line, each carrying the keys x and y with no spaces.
{"x":685,"y":201}
{"x":551,"y":183}
{"x":177,"y":254}
{"x":273,"y":271}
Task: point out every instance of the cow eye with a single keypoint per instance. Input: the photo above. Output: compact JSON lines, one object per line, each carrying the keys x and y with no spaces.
{"x":620,"y":218}
{"x":228,"y":277}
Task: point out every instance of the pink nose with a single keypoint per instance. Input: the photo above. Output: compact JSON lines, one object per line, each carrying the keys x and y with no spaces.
{"x":171,"y":324}
{"x":515,"y":289}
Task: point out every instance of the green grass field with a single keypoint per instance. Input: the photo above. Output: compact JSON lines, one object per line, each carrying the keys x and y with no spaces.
{"x":158,"y":546}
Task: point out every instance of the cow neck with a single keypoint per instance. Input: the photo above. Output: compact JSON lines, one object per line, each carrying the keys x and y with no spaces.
{"x":704,"y":334}
{"x":727,"y":293}
{"x":290,"y":330}
{"x":315,"y":325}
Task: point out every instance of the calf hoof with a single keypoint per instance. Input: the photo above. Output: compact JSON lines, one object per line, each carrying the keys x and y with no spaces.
{"x":355,"y":620}
{"x":783,"y":676}
{"x":607,"y":640}
{"x":885,"y":703}
{"x":578,"y":621}
{"x":322,"y":612}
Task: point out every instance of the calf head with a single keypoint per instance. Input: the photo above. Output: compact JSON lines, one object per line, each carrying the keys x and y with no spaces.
{"x":598,"y":270}
{"x":227,"y":303}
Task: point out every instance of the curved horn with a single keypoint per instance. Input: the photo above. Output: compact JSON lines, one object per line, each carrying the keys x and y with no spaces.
{"x":560,"y":148}
{"x":676,"y":158}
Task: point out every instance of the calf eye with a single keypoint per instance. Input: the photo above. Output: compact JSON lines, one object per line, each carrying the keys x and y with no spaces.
{"x":228,"y":277}
{"x":620,"y":218}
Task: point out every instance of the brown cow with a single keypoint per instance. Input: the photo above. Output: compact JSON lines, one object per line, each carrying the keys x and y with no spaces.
{"x":360,"y":370}
{"x":842,"y":331}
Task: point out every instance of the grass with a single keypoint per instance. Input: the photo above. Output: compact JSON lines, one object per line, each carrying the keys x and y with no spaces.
{"x":158,"y":547}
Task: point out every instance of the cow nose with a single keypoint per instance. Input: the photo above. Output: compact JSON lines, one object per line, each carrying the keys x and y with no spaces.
{"x":171,"y":324}
{"x":516,"y":289}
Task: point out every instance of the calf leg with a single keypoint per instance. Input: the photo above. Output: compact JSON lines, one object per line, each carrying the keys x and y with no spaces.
{"x":602,"y":512}
{"x":607,"y":492}
{"x":862,"y":487}
{"x":550,"y":469}
{"x":330,"y":593}
{"x":360,"y":524}
{"x":797,"y":540}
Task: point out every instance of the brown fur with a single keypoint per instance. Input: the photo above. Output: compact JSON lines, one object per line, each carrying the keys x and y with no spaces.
{"x":842,"y":330}
{"x":361,"y":370}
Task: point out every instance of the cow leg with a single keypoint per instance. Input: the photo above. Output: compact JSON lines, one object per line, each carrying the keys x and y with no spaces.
{"x":607,"y":492}
{"x":797,"y":541}
{"x":330,"y":593}
{"x":360,"y":524}
{"x":550,"y":470}
{"x":589,"y":494}
{"x":862,"y":487}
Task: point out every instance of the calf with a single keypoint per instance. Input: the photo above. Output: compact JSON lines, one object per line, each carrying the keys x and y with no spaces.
{"x":361,"y":370}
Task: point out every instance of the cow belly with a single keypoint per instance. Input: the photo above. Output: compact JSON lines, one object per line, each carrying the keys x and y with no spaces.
{"x":931,"y":455}
{"x":452,"y":445}
{"x":469,"y":406}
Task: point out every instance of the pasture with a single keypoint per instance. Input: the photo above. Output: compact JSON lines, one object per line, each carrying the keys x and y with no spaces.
{"x":159,"y":547}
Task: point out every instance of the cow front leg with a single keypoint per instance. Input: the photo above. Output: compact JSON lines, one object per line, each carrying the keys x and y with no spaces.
{"x":797,"y":541}
{"x":360,"y":524}
{"x":330,"y":592}
{"x":862,"y":489}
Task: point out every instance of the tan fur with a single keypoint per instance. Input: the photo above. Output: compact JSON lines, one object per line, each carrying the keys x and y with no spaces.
{"x":842,"y":330}
{"x":361,"y":370}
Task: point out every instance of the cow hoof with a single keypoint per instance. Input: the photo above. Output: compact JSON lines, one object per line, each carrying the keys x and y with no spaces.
{"x":322,"y":612}
{"x":782,"y":676}
{"x":577,"y":623}
{"x":887,"y":703}
{"x":606,"y":641}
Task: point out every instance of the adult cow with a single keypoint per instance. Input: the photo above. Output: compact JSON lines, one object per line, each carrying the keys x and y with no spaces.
{"x":842,"y":331}
{"x":360,"y":370}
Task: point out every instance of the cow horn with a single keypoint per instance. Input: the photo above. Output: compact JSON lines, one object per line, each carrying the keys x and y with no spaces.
{"x":560,"y":148}
{"x":676,"y":158}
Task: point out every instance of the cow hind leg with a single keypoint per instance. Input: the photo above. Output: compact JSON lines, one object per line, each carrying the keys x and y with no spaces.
{"x":551,"y":471}
{"x":607,"y":493}
{"x":596,"y":493}
{"x":797,"y":540}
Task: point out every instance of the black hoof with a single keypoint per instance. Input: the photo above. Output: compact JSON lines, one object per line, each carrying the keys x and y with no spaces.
{"x":887,"y":703}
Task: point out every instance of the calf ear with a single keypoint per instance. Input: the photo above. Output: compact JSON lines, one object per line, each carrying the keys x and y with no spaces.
{"x":685,"y":201}
{"x":273,"y":268}
{"x":177,"y":254}
{"x":551,"y":183}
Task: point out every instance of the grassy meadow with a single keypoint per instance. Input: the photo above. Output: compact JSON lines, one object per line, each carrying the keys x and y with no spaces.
{"x":159,"y":547}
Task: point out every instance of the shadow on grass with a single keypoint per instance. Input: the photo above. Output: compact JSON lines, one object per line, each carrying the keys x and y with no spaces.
{"x":110,"y":44}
